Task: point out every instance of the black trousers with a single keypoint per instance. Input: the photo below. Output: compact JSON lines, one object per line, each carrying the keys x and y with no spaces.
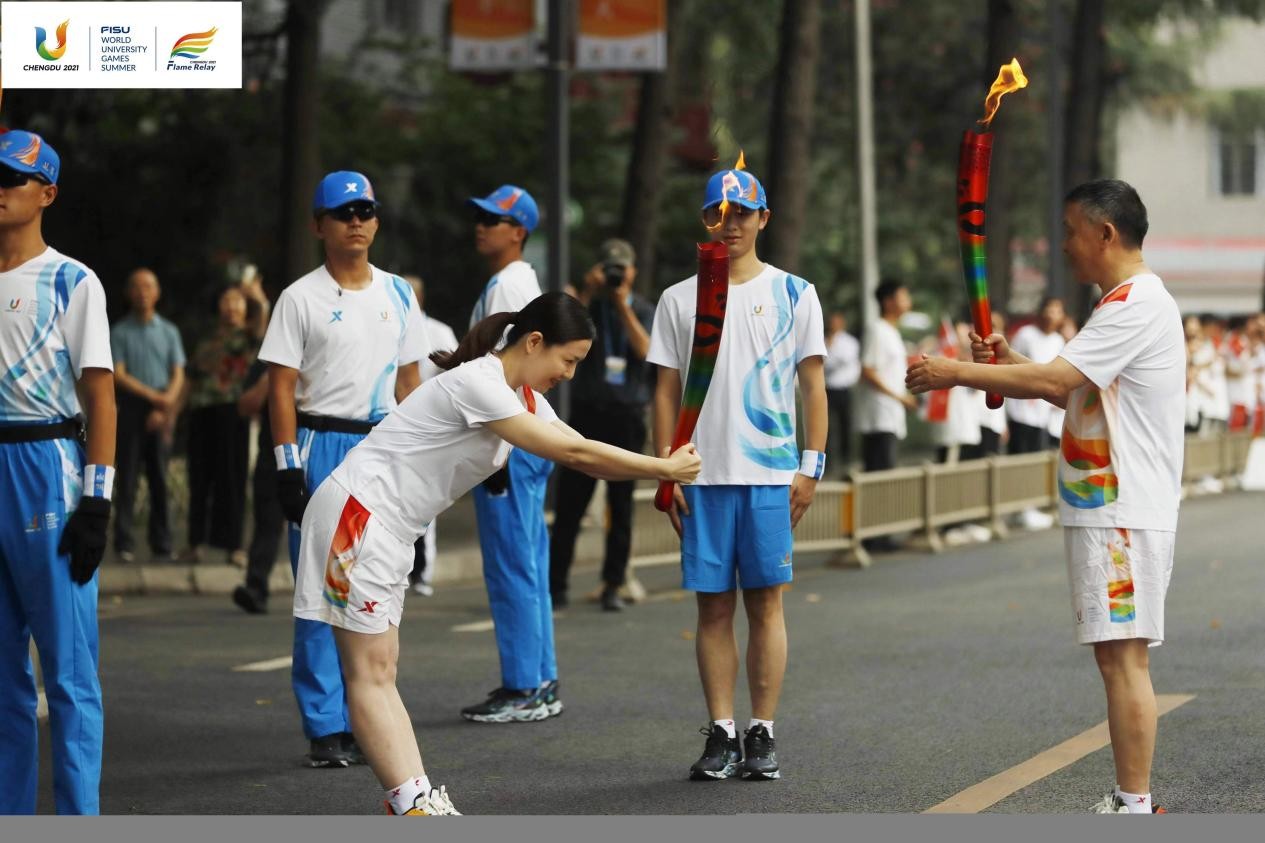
{"x":878,"y":451}
{"x":1026,"y":439}
{"x":989,"y":445}
{"x":625,"y":427}
{"x":269,"y":520}
{"x":137,"y":450}
{"x":839,"y":450}
{"x":219,"y":455}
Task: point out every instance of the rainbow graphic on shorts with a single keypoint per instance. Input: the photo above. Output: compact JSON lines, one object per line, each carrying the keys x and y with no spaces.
{"x":1120,"y":589}
{"x":342,"y":552}
{"x":194,"y":44}
{"x":41,"y":42}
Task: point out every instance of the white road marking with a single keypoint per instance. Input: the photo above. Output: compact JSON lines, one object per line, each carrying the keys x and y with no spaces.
{"x":265,"y":666}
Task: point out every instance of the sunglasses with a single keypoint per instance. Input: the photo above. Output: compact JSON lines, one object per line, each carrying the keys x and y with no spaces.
{"x":363,"y":211}
{"x":12,"y":178}
{"x":712,"y":217}
{"x":488,"y":220}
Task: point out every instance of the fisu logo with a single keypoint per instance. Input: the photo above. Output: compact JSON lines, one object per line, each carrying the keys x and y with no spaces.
{"x":15,"y":304}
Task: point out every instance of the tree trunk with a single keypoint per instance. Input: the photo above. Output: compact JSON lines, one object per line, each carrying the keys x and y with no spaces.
{"x":1003,"y":42}
{"x":300,"y":142}
{"x":643,"y":185}
{"x":790,"y":131}
{"x":1085,"y":97}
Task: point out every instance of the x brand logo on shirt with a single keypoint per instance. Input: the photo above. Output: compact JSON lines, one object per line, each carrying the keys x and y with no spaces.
{"x":335,"y":316}
{"x":369,"y":604}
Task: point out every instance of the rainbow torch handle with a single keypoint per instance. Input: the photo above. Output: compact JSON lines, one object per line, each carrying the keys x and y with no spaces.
{"x":713,"y":291}
{"x":973,"y":161}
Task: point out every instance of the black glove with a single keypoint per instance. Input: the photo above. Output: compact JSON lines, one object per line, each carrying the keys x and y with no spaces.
{"x":84,"y":537}
{"x":498,"y":482}
{"x":292,"y":493}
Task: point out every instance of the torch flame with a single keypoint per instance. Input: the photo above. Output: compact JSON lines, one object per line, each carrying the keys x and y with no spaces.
{"x":1010,"y":78}
{"x":727,"y":183}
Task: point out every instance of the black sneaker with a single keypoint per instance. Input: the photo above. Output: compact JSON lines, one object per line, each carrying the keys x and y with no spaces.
{"x":251,"y":602}
{"x":506,"y":706}
{"x":611,"y":601}
{"x":548,"y":695}
{"x":328,"y":751}
{"x":759,"y":758}
{"x":721,"y":756}
{"x":354,"y":754}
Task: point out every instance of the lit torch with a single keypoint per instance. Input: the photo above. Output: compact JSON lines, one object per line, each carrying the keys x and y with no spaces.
{"x":973,"y":162}
{"x":712,"y":294}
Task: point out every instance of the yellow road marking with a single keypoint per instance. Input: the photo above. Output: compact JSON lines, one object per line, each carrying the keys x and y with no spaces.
{"x":992,"y":790}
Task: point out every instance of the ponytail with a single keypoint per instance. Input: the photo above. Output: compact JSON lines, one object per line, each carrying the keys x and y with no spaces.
{"x":558,"y":317}
{"x":480,"y":339}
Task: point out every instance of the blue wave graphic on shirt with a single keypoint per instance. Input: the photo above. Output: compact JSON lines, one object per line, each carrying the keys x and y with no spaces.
{"x":52,"y":393}
{"x":768,"y":391}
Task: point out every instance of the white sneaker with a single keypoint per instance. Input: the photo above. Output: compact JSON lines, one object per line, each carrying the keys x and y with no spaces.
{"x":979,"y":532}
{"x":437,"y":804}
{"x":1111,"y":804}
{"x":423,"y":589}
{"x":1035,"y":519}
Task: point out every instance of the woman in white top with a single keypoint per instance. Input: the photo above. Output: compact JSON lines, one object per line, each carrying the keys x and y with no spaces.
{"x":442,"y":440}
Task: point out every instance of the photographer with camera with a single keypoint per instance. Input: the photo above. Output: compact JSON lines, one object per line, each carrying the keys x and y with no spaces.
{"x":612,"y":387}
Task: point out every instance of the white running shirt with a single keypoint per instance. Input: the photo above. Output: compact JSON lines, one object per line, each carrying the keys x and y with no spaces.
{"x":53,"y":325}
{"x":1120,"y":459}
{"x":746,"y":430}
{"x":433,"y":447}
{"x":346,"y":344}
{"x":508,"y":290}
{"x":884,"y":352}
{"x":1039,"y":347}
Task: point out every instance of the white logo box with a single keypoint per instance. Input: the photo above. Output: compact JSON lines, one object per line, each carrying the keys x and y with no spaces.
{"x":121,"y":45}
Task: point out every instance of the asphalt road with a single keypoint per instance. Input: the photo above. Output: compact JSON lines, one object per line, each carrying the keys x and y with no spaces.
{"x":908,"y":683}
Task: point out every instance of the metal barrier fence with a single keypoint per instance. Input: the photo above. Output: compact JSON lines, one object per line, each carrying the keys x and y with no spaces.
{"x":927,"y":498}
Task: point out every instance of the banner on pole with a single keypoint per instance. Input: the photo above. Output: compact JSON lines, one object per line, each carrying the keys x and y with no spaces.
{"x":622,"y":35}
{"x":494,"y":35}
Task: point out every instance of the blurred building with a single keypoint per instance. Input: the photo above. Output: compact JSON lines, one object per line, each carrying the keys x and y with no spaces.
{"x":1203,"y":180}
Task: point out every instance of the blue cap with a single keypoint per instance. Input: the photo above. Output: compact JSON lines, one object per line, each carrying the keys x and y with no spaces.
{"x":738,"y":186}
{"x":27,"y":152}
{"x":340,"y":187}
{"x":510,"y":201}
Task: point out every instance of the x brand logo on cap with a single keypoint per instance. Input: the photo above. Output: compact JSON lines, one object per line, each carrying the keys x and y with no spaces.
{"x":352,"y":187}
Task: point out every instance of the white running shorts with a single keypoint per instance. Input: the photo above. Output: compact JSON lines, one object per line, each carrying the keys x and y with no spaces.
{"x":1119,"y":580}
{"x":352,"y":573}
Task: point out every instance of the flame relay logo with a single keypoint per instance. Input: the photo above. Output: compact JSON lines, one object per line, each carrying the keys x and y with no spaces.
{"x":191,"y":48}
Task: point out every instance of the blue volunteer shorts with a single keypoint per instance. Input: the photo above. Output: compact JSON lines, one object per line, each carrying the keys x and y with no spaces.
{"x":736,"y":536}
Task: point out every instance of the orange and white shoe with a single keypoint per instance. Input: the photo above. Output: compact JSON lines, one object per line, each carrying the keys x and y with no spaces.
{"x":433,"y":804}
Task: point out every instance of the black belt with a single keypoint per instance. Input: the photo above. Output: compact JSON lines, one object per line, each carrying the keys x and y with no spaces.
{"x":330,"y":424}
{"x":67,"y":429}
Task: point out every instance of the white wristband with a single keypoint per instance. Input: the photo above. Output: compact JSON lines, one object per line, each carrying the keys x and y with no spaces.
{"x":98,"y":481}
{"x":287,"y":456}
{"x":812,"y":464}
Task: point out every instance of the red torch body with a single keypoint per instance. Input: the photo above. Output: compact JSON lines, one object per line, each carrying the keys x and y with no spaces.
{"x":972,"y":195}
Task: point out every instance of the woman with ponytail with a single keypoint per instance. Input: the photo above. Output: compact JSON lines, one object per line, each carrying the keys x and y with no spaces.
{"x":441,"y":441}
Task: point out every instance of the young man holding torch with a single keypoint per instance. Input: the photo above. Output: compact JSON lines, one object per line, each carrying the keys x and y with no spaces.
{"x":1120,"y":380}
{"x":735,"y":523}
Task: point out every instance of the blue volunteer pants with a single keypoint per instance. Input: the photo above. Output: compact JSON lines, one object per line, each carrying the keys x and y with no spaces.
{"x":317,"y":674}
{"x":39,"y":599}
{"x":515,"y":545}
